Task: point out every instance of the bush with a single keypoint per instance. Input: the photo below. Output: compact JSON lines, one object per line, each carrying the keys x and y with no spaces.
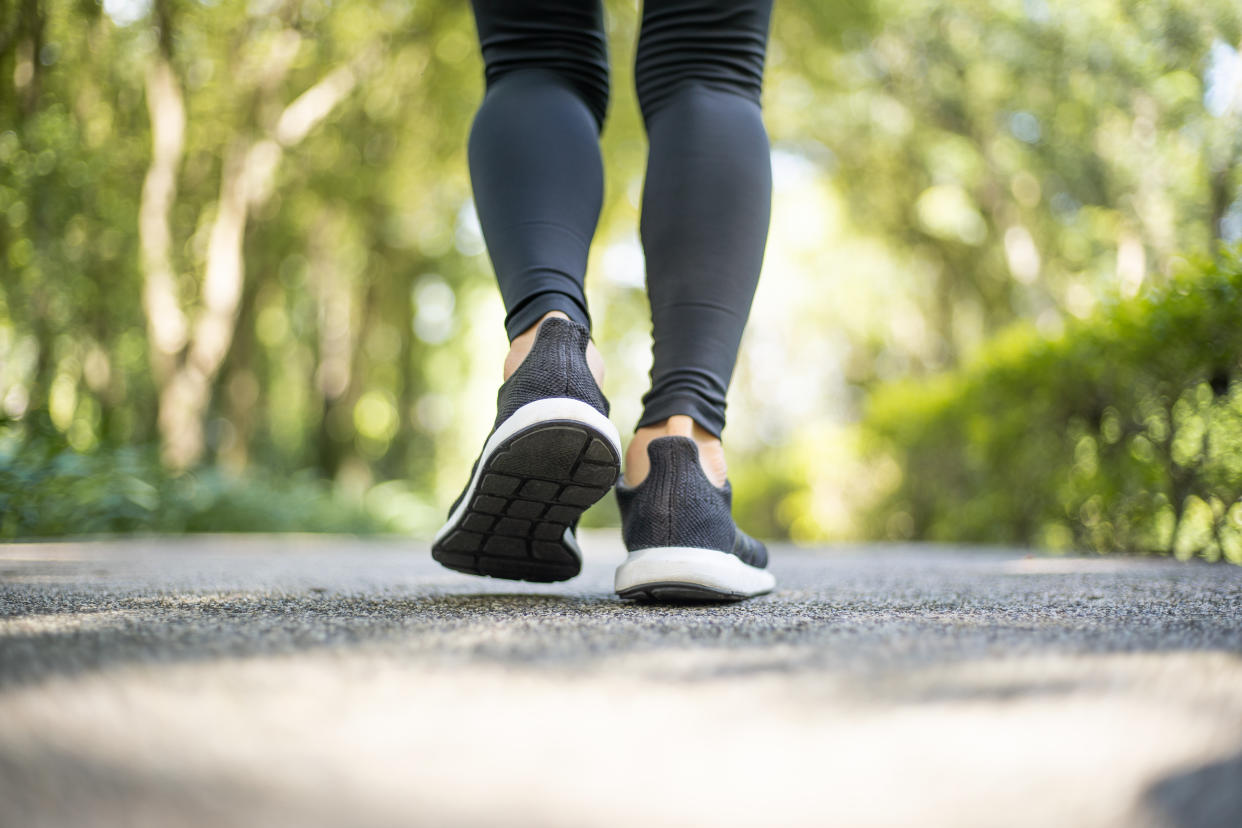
{"x":1122,"y":434}
{"x":47,"y":489}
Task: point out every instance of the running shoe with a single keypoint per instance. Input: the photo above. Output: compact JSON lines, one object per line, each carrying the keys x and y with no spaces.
{"x":679,"y":530}
{"x":552,"y":453}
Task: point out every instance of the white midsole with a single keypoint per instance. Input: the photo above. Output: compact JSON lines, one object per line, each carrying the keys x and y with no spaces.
{"x":533,"y":413}
{"x":709,"y":568}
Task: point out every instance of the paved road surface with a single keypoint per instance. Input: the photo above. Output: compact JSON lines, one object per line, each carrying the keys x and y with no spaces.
{"x":326,"y":681}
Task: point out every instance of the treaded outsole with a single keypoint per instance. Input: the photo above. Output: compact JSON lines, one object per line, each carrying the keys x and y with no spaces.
{"x":680,"y":593}
{"x":530,"y":489}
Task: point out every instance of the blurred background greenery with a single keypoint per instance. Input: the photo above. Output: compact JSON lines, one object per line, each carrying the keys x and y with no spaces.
{"x":242,"y":286}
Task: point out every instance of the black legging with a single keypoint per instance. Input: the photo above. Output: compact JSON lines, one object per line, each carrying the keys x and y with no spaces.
{"x":538,"y":178}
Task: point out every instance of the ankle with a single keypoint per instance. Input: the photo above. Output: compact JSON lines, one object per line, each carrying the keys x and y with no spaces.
{"x":711,"y":451}
{"x":522,"y":343}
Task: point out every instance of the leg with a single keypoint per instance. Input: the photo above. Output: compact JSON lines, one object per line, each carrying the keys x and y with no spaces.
{"x":534,"y":151}
{"x":538,"y":183}
{"x":705,"y":210}
{"x":704,"y":226}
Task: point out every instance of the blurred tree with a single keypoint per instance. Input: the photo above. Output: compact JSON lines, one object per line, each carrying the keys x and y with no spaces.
{"x":186,"y":356}
{"x":1026,"y":156}
{"x":243,"y":228}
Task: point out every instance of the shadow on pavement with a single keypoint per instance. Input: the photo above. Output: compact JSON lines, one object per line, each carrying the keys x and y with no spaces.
{"x":1209,"y":796}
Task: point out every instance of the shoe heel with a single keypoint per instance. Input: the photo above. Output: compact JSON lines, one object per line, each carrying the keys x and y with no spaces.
{"x":676,"y":505}
{"x":556,"y":366}
{"x":684,"y":545}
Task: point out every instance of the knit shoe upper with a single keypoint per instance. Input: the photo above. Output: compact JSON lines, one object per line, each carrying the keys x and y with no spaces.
{"x":556,"y":366}
{"x":677,"y":506}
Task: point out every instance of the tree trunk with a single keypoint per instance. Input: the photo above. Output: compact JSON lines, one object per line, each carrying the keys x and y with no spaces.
{"x":28,"y":67}
{"x":337,"y":329}
{"x":184,"y":399}
{"x":166,"y":324}
{"x":189,"y":360}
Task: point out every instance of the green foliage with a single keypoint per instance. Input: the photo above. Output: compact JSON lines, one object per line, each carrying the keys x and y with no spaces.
{"x":1006,"y":150}
{"x":942,"y":170}
{"x":1124,"y":433}
{"x":49,"y":489}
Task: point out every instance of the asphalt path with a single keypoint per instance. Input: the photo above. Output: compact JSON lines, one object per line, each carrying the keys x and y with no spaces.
{"x":311,"y":681}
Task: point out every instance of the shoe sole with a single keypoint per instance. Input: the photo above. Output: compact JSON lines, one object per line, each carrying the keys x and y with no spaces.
{"x":678,"y":574}
{"x":540,"y":470}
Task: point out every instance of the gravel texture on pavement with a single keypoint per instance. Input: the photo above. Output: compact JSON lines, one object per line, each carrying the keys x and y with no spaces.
{"x":295,"y":680}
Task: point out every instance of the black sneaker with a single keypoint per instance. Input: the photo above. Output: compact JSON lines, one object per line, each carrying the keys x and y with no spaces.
{"x":551,"y":454}
{"x":679,"y":530}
